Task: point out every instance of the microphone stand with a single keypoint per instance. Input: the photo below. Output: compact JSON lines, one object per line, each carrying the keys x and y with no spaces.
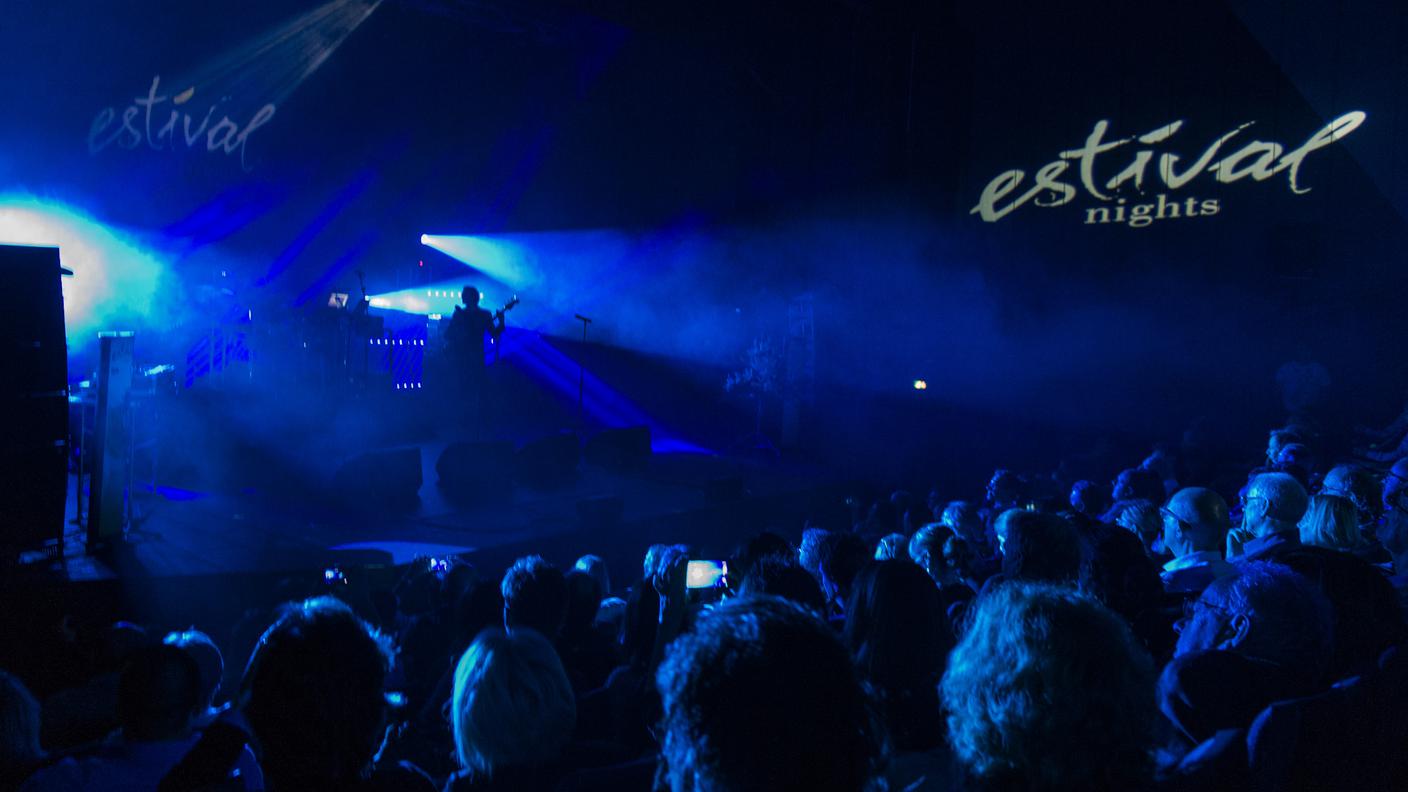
{"x":582,"y":378}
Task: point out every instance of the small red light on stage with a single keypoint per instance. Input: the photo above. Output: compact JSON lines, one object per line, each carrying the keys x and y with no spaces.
{"x":420,"y":263}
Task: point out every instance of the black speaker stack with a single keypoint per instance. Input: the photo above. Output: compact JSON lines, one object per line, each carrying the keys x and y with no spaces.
{"x":33,"y":398}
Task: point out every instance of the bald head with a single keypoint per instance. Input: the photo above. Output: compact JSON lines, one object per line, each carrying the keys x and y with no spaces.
{"x":1357,"y":484}
{"x":1340,"y":480}
{"x":1195,"y":519}
{"x":1275,"y":502}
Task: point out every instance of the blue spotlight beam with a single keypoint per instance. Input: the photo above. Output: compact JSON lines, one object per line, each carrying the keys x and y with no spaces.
{"x":330,"y":212}
{"x":605,"y":406}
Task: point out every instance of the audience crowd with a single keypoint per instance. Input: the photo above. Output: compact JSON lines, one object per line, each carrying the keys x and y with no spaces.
{"x":1175,"y":629}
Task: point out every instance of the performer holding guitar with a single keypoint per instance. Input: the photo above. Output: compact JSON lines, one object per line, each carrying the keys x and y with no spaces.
{"x":464,"y":345}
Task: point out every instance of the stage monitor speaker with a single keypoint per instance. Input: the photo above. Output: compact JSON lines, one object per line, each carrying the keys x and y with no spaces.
{"x":381,"y":479}
{"x":620,"y":449}
{"x":33,"y":397}
{"x":549,"y":461}
{"x":112,"y":439}
{"x":476,"y":471}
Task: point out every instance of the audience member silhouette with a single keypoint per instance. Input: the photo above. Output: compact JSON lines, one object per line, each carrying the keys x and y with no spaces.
{"x":1332,"y":521}
{"x":764,"y":544}
{"x":845,"y":554}
{"x":535,"y":596}
{"x":588,"y":653}
{"x":1195,"y":524}
{"x":763,"y":695}
{"x":895,"y":545}
{"x":1392,"y":531}
{"x":860,"y":659}
{"x":1089,"y":498}
{"x":1253,"y":637}
{"x":1142,"y":519}
{"x":1365,"y":614}
{"x":964,"y":519}
{"x":1117,"y":571}
{"x":212,"y":669}
{"x":1359,"y":485}
{"x":898,"y":632}
{"x":159,"y":698}
{"x":1137,"y":483}
{"x":315,"y":697}
{"x":513,"y":713}
{"x":1273,"y":504}
{"x":815,"y":544}
{"x":1039,"y":547}
{"x":926,"y":549}
{"x":1049,"y":690}
{"x":20,"y":752}
{"x":1268,"y":612}
{"x":785,"y":578}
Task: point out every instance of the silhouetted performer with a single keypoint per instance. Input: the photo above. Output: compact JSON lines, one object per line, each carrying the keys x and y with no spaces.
{"x":466,"y":347}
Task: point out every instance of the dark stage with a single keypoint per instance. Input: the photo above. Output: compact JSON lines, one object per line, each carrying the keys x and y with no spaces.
{"x":674,"y":498}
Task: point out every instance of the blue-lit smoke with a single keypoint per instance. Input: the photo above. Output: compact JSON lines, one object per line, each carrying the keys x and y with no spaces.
{"x":897,"y":296}
{"x":604,"y":405}
{"x":662,"y":292}
{"x":118,"y":282}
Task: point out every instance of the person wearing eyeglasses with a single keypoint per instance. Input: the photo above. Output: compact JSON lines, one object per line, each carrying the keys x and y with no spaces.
{"x":1195,"y":521}
{"x":1260,"y":635}
{"x":1271,"y":510}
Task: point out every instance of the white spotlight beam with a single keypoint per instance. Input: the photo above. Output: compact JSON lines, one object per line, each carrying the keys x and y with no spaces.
{"x":269,"y":67}
{"x":507,"y":262}
{"x":434,"y":299}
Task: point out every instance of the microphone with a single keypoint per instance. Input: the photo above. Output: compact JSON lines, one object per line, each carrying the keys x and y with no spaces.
{"x":582,"y":318}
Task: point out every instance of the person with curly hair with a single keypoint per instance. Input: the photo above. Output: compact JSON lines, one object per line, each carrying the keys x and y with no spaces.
{"x":763,"y":695}
{"x":1049,"y":690}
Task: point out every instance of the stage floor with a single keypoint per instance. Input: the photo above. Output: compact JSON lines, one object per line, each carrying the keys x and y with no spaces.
{"x":178,"y":533}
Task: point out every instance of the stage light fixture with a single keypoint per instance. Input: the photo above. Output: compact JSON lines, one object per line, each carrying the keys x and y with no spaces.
{"x":921,"y":385}
{"x":424,"y":240}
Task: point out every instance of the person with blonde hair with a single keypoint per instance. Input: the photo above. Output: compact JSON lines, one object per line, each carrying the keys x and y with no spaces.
{"x":1333,"y":521}
{"x":513,"y":712}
